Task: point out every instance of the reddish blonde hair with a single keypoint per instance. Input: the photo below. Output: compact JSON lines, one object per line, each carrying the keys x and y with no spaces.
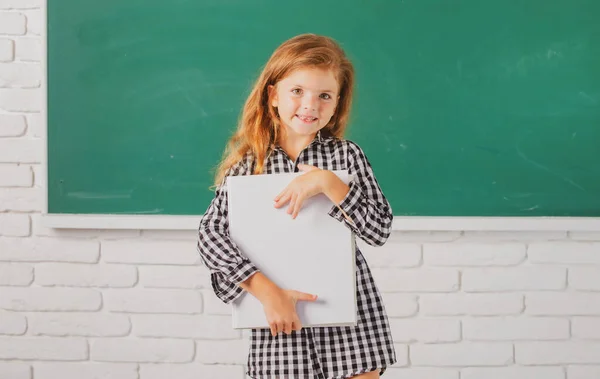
{"x":259,"y":125}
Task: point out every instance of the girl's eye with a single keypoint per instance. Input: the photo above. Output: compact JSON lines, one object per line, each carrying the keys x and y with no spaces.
{"x":325,"y":96}
{"x":296,"y":91}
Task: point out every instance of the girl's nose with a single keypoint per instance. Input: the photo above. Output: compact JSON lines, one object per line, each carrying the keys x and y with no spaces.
{"x":310,"y":103}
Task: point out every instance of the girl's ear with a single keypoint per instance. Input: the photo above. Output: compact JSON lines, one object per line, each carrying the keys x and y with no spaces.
{"x":272,"y":95}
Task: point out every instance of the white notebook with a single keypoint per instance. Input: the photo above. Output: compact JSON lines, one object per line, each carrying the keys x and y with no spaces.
{"x":313,"y":253}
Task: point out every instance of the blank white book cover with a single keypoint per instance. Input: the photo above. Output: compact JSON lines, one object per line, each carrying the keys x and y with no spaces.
{"x":312,"y":253}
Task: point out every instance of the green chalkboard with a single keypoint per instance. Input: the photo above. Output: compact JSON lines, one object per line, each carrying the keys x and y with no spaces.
{"x":464,"y":107}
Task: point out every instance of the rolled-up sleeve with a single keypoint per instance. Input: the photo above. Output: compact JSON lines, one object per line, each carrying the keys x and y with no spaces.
{"x":218,"y":252}
{"x":365,"y":204}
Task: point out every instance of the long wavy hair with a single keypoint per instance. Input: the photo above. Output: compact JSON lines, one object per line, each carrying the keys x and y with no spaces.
{"x":259,"y":126}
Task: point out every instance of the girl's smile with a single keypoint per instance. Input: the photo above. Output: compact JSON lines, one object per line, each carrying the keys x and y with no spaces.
{"x":307,"y":119}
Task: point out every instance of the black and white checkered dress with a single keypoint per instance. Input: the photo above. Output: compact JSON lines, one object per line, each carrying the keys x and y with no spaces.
{"x":313,"y":352}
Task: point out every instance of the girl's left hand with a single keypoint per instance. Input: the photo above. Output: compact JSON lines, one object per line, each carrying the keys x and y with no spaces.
{"x":301,"y":188}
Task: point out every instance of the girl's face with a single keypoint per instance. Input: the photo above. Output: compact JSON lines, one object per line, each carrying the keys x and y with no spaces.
{"x":306,"y":100}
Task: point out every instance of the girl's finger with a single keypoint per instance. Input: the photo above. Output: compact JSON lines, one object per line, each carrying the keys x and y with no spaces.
{"x":297,"y":206}
{"x":273,"y":328}
{"x":283,"y":200}
{"x":292,"y":203}
{"x":297,"y":324}
{"x":281,"y":194}
{"x":302,"y":296}
{"x":287,"y":328}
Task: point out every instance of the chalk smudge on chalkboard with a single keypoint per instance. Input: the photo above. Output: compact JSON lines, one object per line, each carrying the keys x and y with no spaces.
{"x":531,"y":209}
{"x":133,"y":211}
{"x":587,"y":98}
{"x":521,"y":195}
{"x":542,"y":167}
{"x":189,"y":99}
{"x":488,"y":149}
{"x":155,"y":210}
{"x":531,"y":61}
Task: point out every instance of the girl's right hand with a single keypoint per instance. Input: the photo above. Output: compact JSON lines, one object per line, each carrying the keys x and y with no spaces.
{"x":280,"y":309}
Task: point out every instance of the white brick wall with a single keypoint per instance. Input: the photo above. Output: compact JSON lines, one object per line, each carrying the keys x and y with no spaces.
{"x":136,"y":304}
{"x":7,"y":50}
{"x":12,"y":23}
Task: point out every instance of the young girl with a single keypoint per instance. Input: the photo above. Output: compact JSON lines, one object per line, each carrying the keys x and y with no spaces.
{"x":294,"y":120}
